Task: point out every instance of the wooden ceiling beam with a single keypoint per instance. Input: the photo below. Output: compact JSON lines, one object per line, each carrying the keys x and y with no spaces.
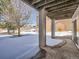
{"x":65,"y":8}
{"x":62,"y":6}
{"x":56,"y":3}
{"x":61,"y":13}
{"x":28,"y":1}
{"x":36,"y":2}
{"x":50,"y":3}
{"x":45,"y":3}
{"x":68,"y":15}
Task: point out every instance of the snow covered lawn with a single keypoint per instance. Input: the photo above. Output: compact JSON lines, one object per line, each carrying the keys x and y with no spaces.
{"x":18,"y":47}
{"x":23,"y":47}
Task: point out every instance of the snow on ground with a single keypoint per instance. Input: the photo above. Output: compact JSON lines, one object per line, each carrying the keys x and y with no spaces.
{"x":18,"y":47}
{"x":65,"y":33}
{"x":60,"y":33}
{"x":4,"y":35}
{"x":26,"y":46}
{"x":23,"y":47}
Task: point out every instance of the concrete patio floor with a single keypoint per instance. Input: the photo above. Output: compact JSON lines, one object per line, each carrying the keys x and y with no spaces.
{"x":68,"y":51}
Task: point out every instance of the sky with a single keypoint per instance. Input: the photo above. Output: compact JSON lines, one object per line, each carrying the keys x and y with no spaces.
{"x":33,"y":17}
{"x":24,"y":8}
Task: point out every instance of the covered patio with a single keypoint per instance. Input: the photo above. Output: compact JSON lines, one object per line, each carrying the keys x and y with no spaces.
{"x":34,"y":45}
{"x":55,"y":9}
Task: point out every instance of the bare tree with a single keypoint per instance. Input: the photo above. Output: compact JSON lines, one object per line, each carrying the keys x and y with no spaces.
{"x":20,"y":20}
{"x":14,"y":16}
{"x":5,"y":11}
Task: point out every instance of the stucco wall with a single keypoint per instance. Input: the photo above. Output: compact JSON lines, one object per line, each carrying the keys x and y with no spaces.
{"x":61,"y":25}
{"x":48,"y":24}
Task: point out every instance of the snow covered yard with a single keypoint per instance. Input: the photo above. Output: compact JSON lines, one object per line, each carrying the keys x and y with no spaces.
{"x":18,"y":47}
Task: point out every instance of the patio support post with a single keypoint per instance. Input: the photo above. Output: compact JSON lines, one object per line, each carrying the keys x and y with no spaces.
{"x":42,"y":27}
{"x":74,"y":31}
{"x":53,"y":28}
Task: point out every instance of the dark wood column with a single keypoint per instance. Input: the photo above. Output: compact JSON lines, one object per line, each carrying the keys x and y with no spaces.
{"x":74,"y":31}
{"x":53,"y":28}
{"x":42,"y":27}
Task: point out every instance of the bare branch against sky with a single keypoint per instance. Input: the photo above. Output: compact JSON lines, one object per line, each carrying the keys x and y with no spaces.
{"x":20,"y":6}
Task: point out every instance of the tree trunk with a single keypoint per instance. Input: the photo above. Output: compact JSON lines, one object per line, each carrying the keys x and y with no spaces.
{"x":8,"y":30}
{"x":18,"y":30}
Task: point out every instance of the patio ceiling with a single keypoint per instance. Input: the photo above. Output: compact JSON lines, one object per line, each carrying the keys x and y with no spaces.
{"x":56,"y":8}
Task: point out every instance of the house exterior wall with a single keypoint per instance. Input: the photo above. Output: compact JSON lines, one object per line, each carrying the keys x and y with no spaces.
{"x":48,"y":24}
{"x":61,"y":25}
